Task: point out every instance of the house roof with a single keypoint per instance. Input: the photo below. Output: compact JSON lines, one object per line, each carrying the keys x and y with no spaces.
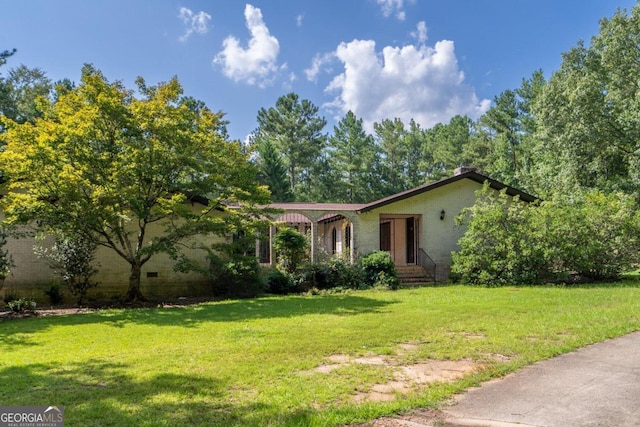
{"x":471,"y":174}
{"x":364,"y":207}
{"x":329,"y":207}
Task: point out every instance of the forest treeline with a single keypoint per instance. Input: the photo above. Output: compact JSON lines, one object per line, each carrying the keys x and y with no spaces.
{"x":580,"y":129}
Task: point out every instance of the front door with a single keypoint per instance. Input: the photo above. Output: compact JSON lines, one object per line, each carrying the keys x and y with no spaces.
{"x":399,"y":237}
{"x":411,"y":240}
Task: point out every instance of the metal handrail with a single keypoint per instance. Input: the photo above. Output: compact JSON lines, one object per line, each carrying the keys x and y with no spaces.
{"x":427,"y":263}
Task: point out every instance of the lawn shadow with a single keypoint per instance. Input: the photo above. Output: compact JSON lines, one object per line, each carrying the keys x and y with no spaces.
{"x":16,"y":331}
{"x":98,"y":393}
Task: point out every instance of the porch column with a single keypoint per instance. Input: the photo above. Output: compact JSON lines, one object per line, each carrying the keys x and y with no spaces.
{"x":352,"y":242}
{"x":314,"y":238}
{"x":272,"y":251}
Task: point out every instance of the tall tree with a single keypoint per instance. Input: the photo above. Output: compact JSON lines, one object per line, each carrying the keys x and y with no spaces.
{"x":508,"y":128}
{"x":22,"y":89}
{"x":296,"y":130}
{"x":449,"y":146}
{"x":588,"y":116}
{"x":272,"y":172}
{"x":390,"y":138}
{"x":414,"y":140}
{"x":4,"y":55}
{"x":106,"y":165}
{"x":354,"y":156}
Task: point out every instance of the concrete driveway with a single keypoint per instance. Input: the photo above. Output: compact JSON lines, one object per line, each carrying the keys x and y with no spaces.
{"x":598,"y":385}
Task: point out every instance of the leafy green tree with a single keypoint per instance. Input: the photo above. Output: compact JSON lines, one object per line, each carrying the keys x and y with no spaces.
{"x":588,"y":116}
{"x":448,"y":146}
{"x":23,"y":87}
{"x":321,"y":181}
{"x":355,"y":157}
{"x":107,"y":165}
{"x":414,"y":141}
{"x":4,"y":55}
{"x":390,"y":139}
{"x":272,"y":172}
{"x":295,"y":129}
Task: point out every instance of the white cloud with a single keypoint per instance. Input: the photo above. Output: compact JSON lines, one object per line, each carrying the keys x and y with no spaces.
{"x":195,"y":22}
{"x":299,"y":19}
{"x":420,"y":33}
{"x":319,"y":63}
{"x":390,"y":7}
{"x":256,"y":64}
{"x":421,"y":83}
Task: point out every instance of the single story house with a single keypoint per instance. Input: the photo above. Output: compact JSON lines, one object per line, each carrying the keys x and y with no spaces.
{"x":415,"y":226}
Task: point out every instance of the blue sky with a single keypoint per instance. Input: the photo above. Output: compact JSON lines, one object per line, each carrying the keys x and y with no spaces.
{"x":423,"y":59}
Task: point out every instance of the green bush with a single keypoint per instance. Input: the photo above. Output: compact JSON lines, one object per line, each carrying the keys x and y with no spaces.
{"x":72,"y":257}
{"x":279,"y":283}
{"x":509,"y":242}
{"x":10,"y":296}
{"x":22,"y":306}
{"x":290,"y":247}
{"x":335,"y":273}
{"x":501,"y":245}
{"x":55,"y":294}
{"x":238,"y":276}
{"x":378,"y":269}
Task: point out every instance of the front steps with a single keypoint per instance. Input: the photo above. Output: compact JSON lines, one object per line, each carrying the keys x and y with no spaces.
{"x":414,"y":276}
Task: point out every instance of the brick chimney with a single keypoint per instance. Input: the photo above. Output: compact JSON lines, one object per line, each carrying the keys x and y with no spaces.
{"x":464,"y":169}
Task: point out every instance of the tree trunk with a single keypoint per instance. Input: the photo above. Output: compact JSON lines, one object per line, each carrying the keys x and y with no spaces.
{"x":134,"y":294}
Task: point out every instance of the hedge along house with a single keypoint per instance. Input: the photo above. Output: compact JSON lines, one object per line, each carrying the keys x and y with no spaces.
{"x":416,"y":226}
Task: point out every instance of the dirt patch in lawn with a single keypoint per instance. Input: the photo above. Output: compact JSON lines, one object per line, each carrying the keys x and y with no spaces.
{"x":406,"y":377}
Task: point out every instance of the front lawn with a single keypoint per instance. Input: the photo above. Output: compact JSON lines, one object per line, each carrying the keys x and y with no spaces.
{"x":295,"y":360}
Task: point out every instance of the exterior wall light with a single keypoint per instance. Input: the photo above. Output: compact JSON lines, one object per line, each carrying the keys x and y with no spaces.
{"x":442,"y":214}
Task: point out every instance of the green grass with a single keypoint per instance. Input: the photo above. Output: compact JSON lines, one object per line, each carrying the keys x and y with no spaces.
{"x":248,"y":362}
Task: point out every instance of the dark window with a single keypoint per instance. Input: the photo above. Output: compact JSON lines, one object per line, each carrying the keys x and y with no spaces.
{"x":347,"y":237}
{"x":385,"y":236}
{"x":411,"y":241}
{"x":265,"y":251}
{"x":334,"y":240}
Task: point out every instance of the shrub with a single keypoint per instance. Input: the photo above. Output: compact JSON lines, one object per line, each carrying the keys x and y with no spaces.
{"x":235,"y":276}
{"x":22,"y":306}
{"x":334,"y":273}
{"x":6,"y":261}
{"x":10,"y":296}
{"x":290,"y":247}
{"x":71,"y":256}
{"x":343,"y":274}
{"x":55,"y":294}
{"x":313,"y":276}
{"x":508,"y":242}
{"x":378,"y":269}
{"x":278,"y":282}
{"x":502,"y":244}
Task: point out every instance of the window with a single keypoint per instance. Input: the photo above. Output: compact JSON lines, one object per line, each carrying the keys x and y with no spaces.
{"x":347,"y":237}
{"x":334,"y":240}
{"x":385,"y":236}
